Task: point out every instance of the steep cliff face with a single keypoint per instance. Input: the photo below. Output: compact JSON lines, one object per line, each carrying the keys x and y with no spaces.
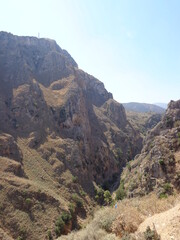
{"x":157,"y":168}
{"x":61,"y":125}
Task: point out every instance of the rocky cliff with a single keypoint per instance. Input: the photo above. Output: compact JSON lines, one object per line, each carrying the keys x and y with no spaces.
{"x":61,"y":132}
{"x":157,"y":168}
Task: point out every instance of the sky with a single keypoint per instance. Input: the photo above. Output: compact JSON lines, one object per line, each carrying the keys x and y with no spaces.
{"x":132,"y":46}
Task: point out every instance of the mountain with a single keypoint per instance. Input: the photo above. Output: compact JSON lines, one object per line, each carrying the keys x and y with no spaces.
{"x":61,"y":134}
{"x":143,"y":107}
{"x":157,"y":168}
{"x":162,"y":105}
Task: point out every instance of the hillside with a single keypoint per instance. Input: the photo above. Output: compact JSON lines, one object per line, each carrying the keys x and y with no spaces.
{"x":143,"y":121}
{"x":143,"y":107}
{"x":61,"y":134}
{"x":149,"y":193}
{"x":157,"y":168}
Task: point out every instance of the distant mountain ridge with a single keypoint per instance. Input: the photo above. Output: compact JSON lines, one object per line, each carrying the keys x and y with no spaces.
{"x":163,"y":105}
{"x":143,"y":107}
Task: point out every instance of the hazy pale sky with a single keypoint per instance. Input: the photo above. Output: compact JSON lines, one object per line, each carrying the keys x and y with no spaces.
{"x":132,"y":46}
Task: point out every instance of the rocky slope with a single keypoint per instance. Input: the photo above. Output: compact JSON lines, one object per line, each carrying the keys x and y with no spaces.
{"x":157,"y":168}
{"x":61,"y":132}
{"x":143,"y":121}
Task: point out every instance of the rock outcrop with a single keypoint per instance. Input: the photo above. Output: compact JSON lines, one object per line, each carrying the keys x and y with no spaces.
{"x":157,"y":168}
{"x":9,"y":148}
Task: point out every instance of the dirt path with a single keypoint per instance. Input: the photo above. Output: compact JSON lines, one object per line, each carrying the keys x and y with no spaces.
{"x":167,"y":224}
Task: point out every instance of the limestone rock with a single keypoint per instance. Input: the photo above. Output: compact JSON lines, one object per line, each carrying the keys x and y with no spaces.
{"x":9,"y":148}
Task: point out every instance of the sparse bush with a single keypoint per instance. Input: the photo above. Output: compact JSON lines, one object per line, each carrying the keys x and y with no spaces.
{"x":107,"y":197}
{"x":63,"y":219}
{"x":99,"y":195}
{"x":129,"y":166}
{"x":59,"y":226}
{"x":49,"y":234}
{"x":126,"y":237}
{"x":106,"y":224}
{"x":66,"y":217}
{"x":161,"y":162}
{"x":119,"y":153}
{"x":78,"y":201}
{"x":22,"y":234}
{"x":72,"y":208}
{"x":28,"y":203}
{"x":151,"y":234}
{"x":83,"y":194}
{"x":57,"y":231}
{"x":163,"y":195}
{"x":20,"y":238}
{"x":168,"y":188}
{"x":121,"y":193}
{"x":74,"y":179}
{"x":169,"y":122}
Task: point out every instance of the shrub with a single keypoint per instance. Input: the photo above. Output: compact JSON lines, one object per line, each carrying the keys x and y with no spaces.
{"x":168,"y":188}
{"x":169,"y":122}
{"x":107,"y":197}
{"x":59,"y":226}
{"x":49,"y":234}
{"x":119,"y":153}
{"x":78,"y":201}
{"x":66,"y":217}
{"x":126,"y":237}
{"x":83,"y":194}
{"x":163,"y":195}
{"x":99,"y":195}
{"x":129,"y":166}
{"x":72,"y":208}
{"x":121,"y":193}
{"x":161,"y":162}
{"x":20,"y":238}
{"x":22,"y":234}
{"x":28,"y":203}
{"x":74,"y":179}
{"x":57,"y":231}
{"x":106,"y":224}
{"x":151,"y":234}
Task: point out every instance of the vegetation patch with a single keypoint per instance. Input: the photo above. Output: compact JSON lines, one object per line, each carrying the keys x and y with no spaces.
{"x":103,"y":197}
{"x":121,"y":192}
{"x":151,"y":234}
{"x":78,"y":201}
{"x":62,"y":220}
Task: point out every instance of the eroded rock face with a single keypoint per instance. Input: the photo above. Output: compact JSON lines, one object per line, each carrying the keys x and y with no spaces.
{"x":9,"y":148}
{"x":45,"y":94}
{"x":158,"y":166}
{"x":68,"y":127}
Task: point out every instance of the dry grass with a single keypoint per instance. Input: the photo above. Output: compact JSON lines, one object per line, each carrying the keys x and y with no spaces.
{"x":97,"y":228}
{"x":57,"y":97}
{"x":50,"y":193}
{"x":110,"y":223}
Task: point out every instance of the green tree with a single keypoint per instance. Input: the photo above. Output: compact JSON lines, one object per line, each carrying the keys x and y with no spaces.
{"x":107,"y":197}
